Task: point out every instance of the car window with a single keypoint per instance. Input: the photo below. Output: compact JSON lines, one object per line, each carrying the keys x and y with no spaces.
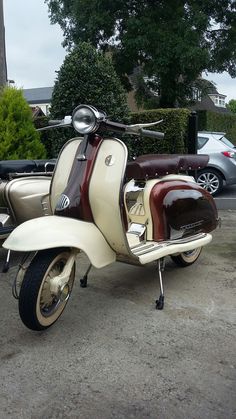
{"x":227,"y":142}
{"x":201,"y":141}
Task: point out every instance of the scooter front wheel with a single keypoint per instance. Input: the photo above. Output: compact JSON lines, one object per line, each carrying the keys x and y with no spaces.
{"x":187,"y":258}
{"x":39,"y":307}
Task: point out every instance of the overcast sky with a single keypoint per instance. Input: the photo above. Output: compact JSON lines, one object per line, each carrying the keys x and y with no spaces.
{"x":34,"y":50}
{"x":33,"y":45}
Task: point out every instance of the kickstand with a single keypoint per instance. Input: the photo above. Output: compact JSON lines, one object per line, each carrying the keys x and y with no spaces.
{"x":84,"y":280}
{"x":160,"y":301}
{"x":7,"y":262}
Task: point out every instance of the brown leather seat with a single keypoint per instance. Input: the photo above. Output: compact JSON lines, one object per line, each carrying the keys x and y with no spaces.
{"x":151,"y":166}
{"x":193,"y":161}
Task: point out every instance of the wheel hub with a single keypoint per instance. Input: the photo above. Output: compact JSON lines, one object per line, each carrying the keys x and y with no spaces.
{"x":64,"y":293}
{"x":209,"y":181}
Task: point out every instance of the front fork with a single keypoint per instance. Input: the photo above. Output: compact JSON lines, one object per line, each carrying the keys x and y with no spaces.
{"x":57,"y":283}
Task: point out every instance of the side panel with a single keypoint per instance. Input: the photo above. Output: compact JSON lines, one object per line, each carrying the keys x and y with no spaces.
{"x":180,"y":209}
{"x":144,"y":214}
{"x":24,"y":197}
{"x":105,"y":193}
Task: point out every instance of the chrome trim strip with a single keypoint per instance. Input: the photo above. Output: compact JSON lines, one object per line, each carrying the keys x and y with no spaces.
{"x":81,"y":157}
{"x":138,"y":245}
{"x":143,"y":249}
{"x":186,"y":239}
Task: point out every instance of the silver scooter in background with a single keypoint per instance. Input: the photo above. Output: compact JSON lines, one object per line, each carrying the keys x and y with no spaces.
{"x":23,"y":184}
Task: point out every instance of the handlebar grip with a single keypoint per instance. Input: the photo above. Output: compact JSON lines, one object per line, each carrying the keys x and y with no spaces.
{"x":54,"y":122}
{"x":152,"y":134}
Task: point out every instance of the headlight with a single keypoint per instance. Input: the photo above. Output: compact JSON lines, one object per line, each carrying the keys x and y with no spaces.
{"x":86,"y":119}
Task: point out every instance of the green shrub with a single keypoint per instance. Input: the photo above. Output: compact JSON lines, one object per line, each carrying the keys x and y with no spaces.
{"x":86,"y":77}
{"x":18,"y":137}
{"x":174,"y":125}
{"x":40,"y":122}
{"x":215,"y":121}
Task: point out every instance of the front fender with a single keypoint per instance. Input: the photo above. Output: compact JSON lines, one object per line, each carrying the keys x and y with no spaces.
{"x":54,"y":231}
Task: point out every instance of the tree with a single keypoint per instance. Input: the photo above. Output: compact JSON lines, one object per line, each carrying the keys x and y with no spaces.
{"x":173,"y":41}
{"x":18,"y":137}
{"x":232,"y":105}
{"x":87,"y":77}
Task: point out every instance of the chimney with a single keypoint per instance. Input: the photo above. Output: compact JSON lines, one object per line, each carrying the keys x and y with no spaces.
{"x":3,"y":63}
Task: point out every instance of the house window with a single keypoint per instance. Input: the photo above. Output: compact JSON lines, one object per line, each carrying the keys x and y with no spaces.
{"x":196,"y":94}
{"x":222,"y":101}
{"x":219,"y":100}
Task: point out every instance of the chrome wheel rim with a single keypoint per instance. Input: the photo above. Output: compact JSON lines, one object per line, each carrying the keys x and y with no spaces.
{"x":49,"y":303}
{"x":209,"y":181}
{"x":191,"y":255}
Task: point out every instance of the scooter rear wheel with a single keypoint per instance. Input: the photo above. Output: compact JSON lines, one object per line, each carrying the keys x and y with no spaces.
{"x":187,"y":258}
{"x":38,"y":307}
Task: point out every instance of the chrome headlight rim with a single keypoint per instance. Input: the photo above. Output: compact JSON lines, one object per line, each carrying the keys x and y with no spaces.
{"x":98,"y":117}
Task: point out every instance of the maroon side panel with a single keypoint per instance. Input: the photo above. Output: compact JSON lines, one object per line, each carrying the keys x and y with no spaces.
{"x":160,"y":228}
{"x":91,"y":154}
{"x":180,"y":209}
{"x":78,"y":183}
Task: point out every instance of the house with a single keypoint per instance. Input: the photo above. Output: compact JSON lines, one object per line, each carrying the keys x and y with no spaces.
{"x":37,"y":112}
{"x":203,"y":96}
{"x":39,"y":97}
{"x":211,"y":100}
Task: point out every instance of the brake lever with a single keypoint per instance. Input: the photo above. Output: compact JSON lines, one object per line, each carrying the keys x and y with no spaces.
{"x":136,"y":128}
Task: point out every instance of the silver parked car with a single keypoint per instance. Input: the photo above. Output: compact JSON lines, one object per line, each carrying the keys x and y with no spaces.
{"x":221,"y":168}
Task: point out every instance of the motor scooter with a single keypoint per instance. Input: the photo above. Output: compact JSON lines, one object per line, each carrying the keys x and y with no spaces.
{"x":23,"y":183}
{"x":135,"y":213}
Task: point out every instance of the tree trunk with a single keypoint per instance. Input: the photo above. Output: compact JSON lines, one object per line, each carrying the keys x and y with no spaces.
{"x":168,"y":91}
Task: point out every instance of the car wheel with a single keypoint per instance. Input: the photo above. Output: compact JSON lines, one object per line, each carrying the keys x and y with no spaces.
{"x":211,"y":180}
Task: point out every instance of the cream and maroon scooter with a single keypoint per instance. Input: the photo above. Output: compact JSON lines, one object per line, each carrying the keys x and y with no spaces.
{"x":136,"y":213}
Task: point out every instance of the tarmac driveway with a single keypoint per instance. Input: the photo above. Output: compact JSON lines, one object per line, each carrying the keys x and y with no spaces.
{"x":112,"y":355}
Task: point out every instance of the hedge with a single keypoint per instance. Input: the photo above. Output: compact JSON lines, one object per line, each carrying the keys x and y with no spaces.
{"x":174,"y":125}
{"x":215,"y":121}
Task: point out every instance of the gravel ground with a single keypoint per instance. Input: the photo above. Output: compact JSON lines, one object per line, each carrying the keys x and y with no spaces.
{"x":112,"y":355}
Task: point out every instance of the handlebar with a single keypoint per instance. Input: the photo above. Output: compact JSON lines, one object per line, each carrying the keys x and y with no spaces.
{"x":152,"y":134}
{"x":105,"y":124}
{"x":133,"y":129}
{"x":52,"y":122}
